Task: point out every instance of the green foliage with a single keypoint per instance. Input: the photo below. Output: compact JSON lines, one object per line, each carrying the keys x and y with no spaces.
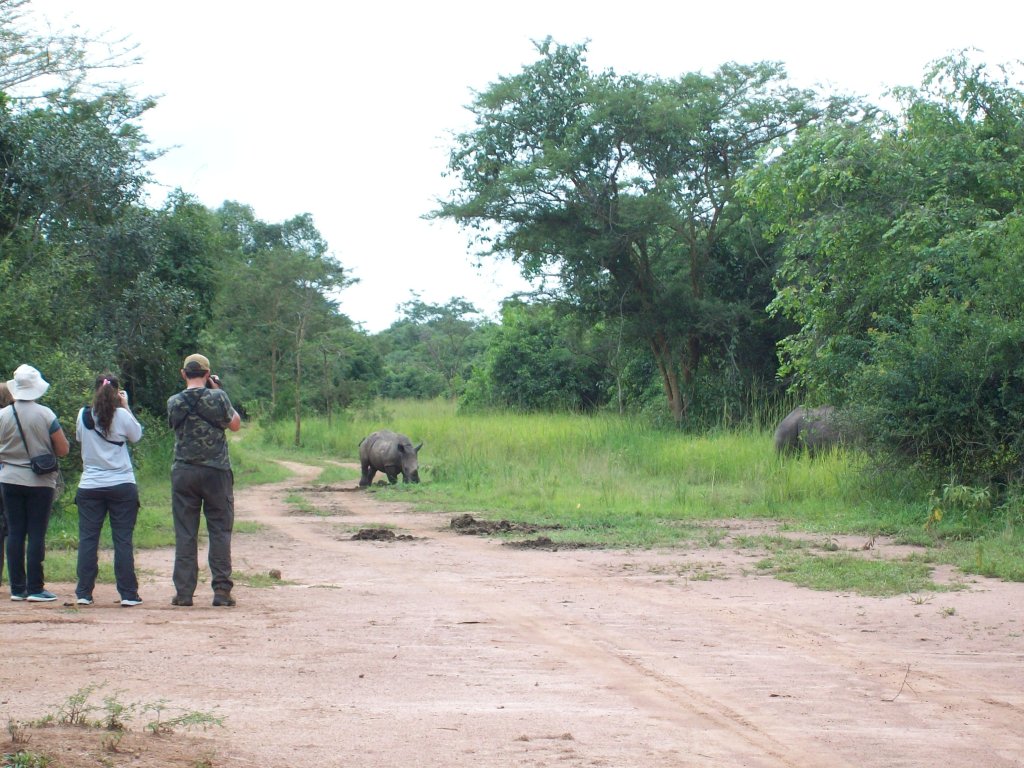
{"x":538,"y":359}
{"x":902,"y":239}
{"x":431,"y":350}
{"x":960,"y":505}
{"x":164,"y":721}
{"x":660,"y":208}
{"x":948,"y":389}
{"x":77,"y":709}
{"x":276,"y":336}
{"x":25,"y":759}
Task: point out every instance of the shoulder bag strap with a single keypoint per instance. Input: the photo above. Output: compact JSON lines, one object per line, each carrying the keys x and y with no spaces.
{"x":20,"y":432}
{"x":90,"y":424}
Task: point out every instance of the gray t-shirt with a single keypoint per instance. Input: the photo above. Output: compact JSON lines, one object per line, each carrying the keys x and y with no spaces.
{"x":37,"y":422}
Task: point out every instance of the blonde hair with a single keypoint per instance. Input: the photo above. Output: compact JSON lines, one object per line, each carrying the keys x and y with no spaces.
{"x":5,"y":395}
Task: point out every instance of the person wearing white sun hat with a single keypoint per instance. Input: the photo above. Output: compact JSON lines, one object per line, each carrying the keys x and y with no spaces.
{"x":5,"y":400}
{"x":27,"y":430}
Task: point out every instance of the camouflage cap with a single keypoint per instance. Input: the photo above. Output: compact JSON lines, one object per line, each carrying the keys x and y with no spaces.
{"x":196,"y":363}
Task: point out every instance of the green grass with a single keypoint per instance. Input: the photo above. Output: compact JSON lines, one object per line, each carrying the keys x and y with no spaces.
{"x":847,"y":573}
{"x":300,"y":504}
{"x":608,"y":472}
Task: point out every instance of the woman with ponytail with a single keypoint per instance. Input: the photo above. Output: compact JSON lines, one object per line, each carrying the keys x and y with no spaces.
{"x":107,"y":487}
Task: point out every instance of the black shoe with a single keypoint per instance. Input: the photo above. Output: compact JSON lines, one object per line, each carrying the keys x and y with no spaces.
{"x":181,"y":600}
{"x":223,"y":599}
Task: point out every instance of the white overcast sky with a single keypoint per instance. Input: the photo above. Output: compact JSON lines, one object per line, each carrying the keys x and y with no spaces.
{"x":344,"y":111}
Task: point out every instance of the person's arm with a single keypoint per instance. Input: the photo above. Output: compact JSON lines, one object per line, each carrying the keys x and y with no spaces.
{"x":60,"y":442}
{"x":235,"y":423}
{"x":129,"y":426}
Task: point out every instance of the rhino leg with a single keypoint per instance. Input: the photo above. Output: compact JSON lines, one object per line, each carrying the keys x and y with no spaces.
{"x":367,"y":475}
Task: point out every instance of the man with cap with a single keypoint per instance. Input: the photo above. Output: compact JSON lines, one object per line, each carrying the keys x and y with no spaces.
{"x":201,"y":480}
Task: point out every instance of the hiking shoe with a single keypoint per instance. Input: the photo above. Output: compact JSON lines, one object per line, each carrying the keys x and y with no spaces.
{"x":42,"y":597}
{"x":129,"y":602}
{"x":84,"y":601}
{"x":181,"y":600}
{"x":223,"y":599}
{"x":18,"y":596}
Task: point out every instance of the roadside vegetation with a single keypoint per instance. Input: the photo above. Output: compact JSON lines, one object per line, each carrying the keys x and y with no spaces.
{"x":96,"y":726}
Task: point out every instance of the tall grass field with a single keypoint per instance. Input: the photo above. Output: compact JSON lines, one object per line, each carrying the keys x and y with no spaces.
{"x":613,"y":481}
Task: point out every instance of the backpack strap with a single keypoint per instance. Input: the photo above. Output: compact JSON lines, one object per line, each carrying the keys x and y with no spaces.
{"x":90,"y":423}
{"x":193,"y":403}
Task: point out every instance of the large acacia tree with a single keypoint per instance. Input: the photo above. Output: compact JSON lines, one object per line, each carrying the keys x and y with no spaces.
{"x":621,"y":189}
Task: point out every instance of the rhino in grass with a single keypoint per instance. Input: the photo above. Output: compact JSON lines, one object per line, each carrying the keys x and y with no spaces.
{"x":816,"y":429}
{"x":391,"y":453}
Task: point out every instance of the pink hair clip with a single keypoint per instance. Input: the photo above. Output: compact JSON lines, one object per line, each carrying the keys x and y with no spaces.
{"x":106,"y":382}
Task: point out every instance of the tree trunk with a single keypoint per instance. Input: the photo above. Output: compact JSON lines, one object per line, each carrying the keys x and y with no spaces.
{"x":689,"y":363}
{"x":669,"y":378}
{"x":273,"y":379}
{"x":300,"y":335}
{"x":327,"y":389}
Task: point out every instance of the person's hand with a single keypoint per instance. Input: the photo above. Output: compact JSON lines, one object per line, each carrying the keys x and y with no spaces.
{"x":124,"y":398}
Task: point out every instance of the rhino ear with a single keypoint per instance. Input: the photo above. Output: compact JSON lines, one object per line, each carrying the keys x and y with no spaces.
{"x":418,"y":447}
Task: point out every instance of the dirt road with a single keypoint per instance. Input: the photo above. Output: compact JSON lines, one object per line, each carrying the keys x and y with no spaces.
{"x":452,"y":650}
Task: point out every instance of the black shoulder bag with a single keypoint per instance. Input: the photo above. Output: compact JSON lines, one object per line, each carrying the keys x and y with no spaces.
{"x":44,"y":463}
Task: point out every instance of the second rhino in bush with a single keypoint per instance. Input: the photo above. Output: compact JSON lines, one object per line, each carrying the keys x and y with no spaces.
{"x":814,"y":429}
{"x":391,"y":453}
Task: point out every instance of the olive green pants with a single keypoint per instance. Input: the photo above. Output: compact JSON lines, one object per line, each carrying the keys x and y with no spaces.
{"x":202,"y":491}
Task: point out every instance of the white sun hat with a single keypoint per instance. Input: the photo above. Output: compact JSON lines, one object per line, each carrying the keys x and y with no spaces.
{"x":27,"y":384}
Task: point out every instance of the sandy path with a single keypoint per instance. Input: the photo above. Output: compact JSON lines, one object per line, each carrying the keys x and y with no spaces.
{"x":453,"y":650}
